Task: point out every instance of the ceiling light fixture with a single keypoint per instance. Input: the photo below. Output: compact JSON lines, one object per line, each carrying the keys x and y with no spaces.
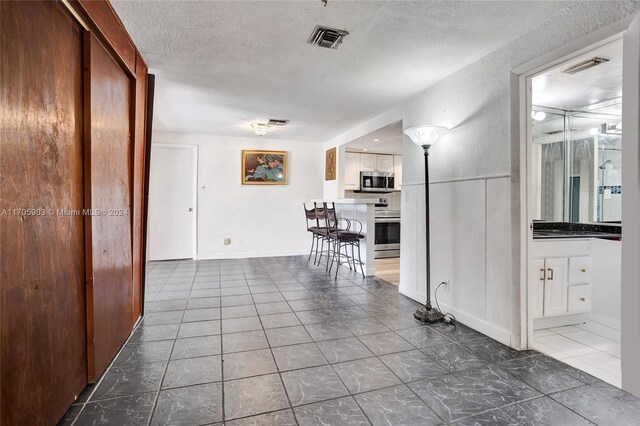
{"x":538,"y":115}
{"x":594,"y":131}
{"x":260,"y":129}
{"x":365,"y":149}
{"x":376,"y":140}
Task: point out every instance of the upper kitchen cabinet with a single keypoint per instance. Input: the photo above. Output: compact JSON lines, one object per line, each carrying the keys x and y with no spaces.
{"x":368,"y":162}
{"x":384,"y":163}
{"x":397,"y":171}
{"x":352,"y":170}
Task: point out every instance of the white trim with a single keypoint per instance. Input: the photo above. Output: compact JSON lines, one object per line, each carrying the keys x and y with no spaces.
{"x":195,"y":159}
{"x":478,"y":324}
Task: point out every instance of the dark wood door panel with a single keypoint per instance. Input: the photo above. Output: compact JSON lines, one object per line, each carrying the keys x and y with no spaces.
{"x":43,"y":343}
{"x":111,"y":293}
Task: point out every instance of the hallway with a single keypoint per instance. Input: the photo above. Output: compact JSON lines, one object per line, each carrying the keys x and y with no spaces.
{"x":227,"y":340}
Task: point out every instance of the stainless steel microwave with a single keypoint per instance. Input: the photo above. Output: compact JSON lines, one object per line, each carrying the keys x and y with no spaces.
{"x":376,"y":182}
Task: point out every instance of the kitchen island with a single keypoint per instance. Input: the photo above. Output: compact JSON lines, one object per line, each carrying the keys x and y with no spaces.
{"x":363,"y":210}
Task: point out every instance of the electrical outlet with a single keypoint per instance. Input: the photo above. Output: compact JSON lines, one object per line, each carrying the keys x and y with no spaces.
{"x":446,"y":286}
{"x":227,"y":241}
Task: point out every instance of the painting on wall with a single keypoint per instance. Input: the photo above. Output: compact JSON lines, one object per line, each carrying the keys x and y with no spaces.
{"x":330,"y":164}
{"x":264,"y":167}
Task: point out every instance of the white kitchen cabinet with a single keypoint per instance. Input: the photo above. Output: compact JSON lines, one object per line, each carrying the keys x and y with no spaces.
{"x":397,"y":171}
{"x":352,"y":171}
{"x":367,"y":162}
{"x":384,"y":163}
{"x":555,"y":286}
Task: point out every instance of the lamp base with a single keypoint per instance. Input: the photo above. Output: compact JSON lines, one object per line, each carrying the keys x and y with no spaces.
{"x":428,"y":315}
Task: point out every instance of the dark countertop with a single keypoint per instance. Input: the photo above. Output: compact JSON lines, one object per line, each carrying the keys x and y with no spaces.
{"x":555,"y":230}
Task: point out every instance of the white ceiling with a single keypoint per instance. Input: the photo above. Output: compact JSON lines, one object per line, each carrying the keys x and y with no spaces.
{"x":386,"y":140}
{"x":222,"y":64}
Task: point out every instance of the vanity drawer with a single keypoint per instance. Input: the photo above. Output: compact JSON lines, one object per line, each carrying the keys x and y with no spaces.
{"x":579,"y":298}
{"x":579,"y":269}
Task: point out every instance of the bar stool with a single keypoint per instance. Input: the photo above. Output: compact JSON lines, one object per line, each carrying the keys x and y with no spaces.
{"x":340,"y":238}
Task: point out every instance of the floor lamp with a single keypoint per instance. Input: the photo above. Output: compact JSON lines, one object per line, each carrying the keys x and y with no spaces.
{"x":426,"y":136}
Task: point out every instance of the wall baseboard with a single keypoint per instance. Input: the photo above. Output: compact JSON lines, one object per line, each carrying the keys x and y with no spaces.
{"x":478,"y":324}
{"x":214,"y":256}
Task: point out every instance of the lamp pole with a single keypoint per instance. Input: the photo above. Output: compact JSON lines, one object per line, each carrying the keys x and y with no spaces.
{"x":427,"y":313}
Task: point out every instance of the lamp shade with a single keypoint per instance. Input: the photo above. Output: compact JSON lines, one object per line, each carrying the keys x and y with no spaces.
{"x":425,"y":135}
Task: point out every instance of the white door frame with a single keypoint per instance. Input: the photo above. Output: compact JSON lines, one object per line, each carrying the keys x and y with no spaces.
{"x":194,"y":157}
{"x":522,"y":324}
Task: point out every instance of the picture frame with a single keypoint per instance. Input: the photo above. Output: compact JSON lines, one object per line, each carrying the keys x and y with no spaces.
{"x":330,"y":164}
{"x":261,"y":167}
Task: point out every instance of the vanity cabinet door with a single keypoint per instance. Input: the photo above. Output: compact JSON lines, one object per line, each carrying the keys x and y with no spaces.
{"x":536,"y":289}
{"x":555,"y":290}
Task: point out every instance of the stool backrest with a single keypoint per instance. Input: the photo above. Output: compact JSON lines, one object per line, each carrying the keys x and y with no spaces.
{"x":309,"y":215}
{"x":330,"y":217}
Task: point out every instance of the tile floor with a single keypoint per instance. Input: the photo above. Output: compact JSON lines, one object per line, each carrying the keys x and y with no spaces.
{"x":591,"y":347}
{"x":276,"y":341}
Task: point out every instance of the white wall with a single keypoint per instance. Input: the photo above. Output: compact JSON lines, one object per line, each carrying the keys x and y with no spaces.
{"x":470,"y":173}
{"x":260,"y":220}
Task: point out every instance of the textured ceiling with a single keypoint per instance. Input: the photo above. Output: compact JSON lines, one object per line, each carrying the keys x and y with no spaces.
{"x":223,"y":64}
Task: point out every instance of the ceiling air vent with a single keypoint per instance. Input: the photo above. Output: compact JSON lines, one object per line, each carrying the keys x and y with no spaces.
{"x":327,"y":37}
{"x":275,"y":122}
{"x":585,"y":65}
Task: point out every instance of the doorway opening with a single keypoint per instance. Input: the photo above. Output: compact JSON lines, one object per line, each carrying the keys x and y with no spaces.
{"x":379,"y":154}
{"x":574,"y":199}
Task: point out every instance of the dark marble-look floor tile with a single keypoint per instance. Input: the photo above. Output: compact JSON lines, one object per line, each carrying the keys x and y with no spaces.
{"x":279,"y":320}
{"x":385,"y":343}
{"x":206,"y":302}
{"x":192,"y":405}
{"x":327,"y":331}
{"x":268,"y":297}
{"x":598,"y":407}
{"x":237,"y":325}
{"x":287,"y":336}
{"x":206,"y":314}
{"x":350,"y":313}
{"x":400,"y":321}
{"x":128,"y":410}
{"x":200,"y":328}
{"x":172,"y":295}
{"x":490,"y":418}
{"x":396,"y":406}
{"x":244,"y":299}
{"x":336,"y":412}
{"x":312,"y":385}
{"x":196,"y":346}
{"x":422,"y":337}
{"x":363,"y":326}
{"x":276,"y":418}
{"x":273,"y":308}
{"x":344,"y":350}
{"x":193,"y":371}
{"x":544,"y":411}
{"x":262,"y":287}
{"x":169,"y":305}
{"x":150,"y":333}
{"x":498,"y":386}
{"x":254,"y":395}
{"x":229,"y":312}
{"x":412,"y":366}
{"x":491,"y":350}
{"x":239,"y":365}
{"x":458,"y":332}
{"x":454,"y":357}
{"x":314,"y":317}
{"x":305,"y":305}
{"x":298,"y":356}
{"x":206,"y":292}
{"x":130,"y":379}
{"x":206,"y":285}
{"x":543,"y":373}
{"x":247,"y":341}
{"x":144,"y":352}
{"x":365,"y":375}
{"x":234,"y":291}
{"x":450,"y":397}
{"x":71,"y":415}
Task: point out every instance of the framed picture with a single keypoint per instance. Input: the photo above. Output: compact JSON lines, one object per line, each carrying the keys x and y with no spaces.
{"x":264,"y":167}
{"x":330,"y":164}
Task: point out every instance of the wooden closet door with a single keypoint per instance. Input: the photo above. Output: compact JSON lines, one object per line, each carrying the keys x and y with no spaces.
{"x":109,"y":122}
{"x":41,"y":166}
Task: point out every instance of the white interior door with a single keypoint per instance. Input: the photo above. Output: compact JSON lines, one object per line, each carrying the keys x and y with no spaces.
{"x":172,"y":209}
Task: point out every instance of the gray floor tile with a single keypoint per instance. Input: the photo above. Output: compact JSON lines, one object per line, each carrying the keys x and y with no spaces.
{"x":598,"y":407}
{"x":422,"y":337}
{"x":169,"y":305}
{"x":412,"y":366}
{"x":490,"y":418}
{"x":543,"y":373}
{"x":341,"y":350}
{"x":245,"y":299}
{"x":287,"y":336}
{"x":130,"y":379}
{"x":298,"y":356}
{"x":396,"y":406}
{"x":239,"y":365}
{"x":385,"y":343}
{"x":268,"y":297}
{"x":365,"y":375}
{"x":361,"y":327}
{"x":150,"y":333}
{"x":544,"y":411}
{"x":336,"y":412}
{"x":206,"y":314}
{"x":312,"y":385}
{"x":498,"y":386}
{"x":236,"y":325}
{"x":200,"y":328}
{"x":491,"y":350}
{"x":276,"y":418}
{"x":205,"y":302}
{"x":193,"y":371}
{"x":254,"y":395}
{"x":305,"y":305}
{"x":272,"y":308}
{"x":279,"y":320}
{"x":327,"y":331}
{"x":239,"y":311}
{"x":192,"y":405}
{"x":247,"y":341}
{"x":454,"y":357}
{"x":196,"y":346}
{"x":128,"y":410}
{"x":314,"y":317}
{"x":144,"y":352}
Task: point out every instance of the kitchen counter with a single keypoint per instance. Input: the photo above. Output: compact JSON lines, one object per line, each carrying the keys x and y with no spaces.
{"x":556,"y":230}
{"x":348,"y":201}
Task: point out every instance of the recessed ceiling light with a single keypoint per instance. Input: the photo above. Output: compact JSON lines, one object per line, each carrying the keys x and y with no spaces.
{"x":538,"y":115}
{"x":594,"y":131}
{"x":365,"y":149}
{"x":376,"y":140}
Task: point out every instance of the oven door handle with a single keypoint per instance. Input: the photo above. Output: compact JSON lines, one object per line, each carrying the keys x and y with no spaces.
{"x":387,"y":220}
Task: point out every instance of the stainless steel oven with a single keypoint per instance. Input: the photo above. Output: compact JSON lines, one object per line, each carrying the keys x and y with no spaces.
{"x":376,"y":182}
{"x":387,"y":234}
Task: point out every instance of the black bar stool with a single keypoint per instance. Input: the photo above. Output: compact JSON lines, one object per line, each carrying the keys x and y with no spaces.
{"x":347,"y":237}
